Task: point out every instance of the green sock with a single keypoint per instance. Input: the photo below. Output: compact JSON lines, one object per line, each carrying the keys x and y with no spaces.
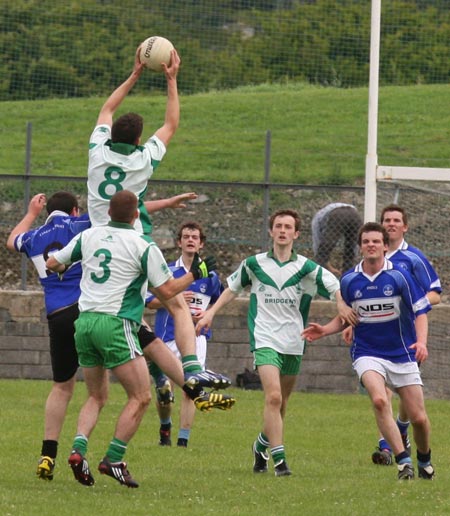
{"x":191,"y":364}
{"x":80,"y":443}
{"x":155,"y":372}
{"x":278,"y":454}
{"x":262,"y":443}
{"x":116,"y":450}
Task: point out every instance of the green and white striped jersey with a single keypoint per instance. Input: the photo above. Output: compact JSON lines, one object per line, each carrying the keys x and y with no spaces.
{"x":280,"y":298}
{"x":119,"y":166}
{"x":117,"y":263}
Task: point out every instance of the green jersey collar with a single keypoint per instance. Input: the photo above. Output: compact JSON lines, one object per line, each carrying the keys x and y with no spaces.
{"x":291,"y":259}
{"x":123,"y":148}
{"x":122,"y":225}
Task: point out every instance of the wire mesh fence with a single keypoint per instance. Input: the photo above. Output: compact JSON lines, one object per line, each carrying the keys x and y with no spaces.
{"x":62,"y":49}
{"x":235,"y":217}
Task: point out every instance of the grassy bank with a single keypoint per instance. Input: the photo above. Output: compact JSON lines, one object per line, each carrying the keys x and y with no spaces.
{"x":319,"y":135}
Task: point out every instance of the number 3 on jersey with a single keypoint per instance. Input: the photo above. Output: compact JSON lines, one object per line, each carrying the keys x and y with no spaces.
{"x":107,"y":257}
{"x":113,"y":179}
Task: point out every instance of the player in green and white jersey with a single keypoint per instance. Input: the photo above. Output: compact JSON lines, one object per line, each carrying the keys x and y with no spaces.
{"x":282,"y":284}
{"x":118,"y":161}
{"x":118,"y":263}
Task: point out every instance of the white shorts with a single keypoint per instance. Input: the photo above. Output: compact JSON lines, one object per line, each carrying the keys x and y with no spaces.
{"x":395,"y":375}
{"x":200,"y":349}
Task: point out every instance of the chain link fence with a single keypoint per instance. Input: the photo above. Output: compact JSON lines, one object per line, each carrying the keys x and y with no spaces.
{"x":235,"y":215}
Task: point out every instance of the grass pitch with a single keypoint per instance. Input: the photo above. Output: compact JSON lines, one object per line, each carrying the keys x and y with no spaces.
{"x":329,"y":440}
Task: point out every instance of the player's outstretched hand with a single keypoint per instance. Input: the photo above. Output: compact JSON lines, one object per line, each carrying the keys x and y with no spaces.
{"x":313,"y":332}
{"x":203,"y":323}
{"x":346,"y":313}
{"x":347,"y":335}
{"x":37,"y":204}
{"x":421,"y":351}
{"x":138,"y":66}
{"x":201,"y":268}
{"x":171,"y":71}
{"x":179,"y":201}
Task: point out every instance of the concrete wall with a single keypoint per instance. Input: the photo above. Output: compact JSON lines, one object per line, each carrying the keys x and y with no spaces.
{"x":326,"y":366}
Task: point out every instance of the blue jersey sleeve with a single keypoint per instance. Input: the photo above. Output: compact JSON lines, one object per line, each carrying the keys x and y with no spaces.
{"x":415,"y":262}
{"x":40,"y":243}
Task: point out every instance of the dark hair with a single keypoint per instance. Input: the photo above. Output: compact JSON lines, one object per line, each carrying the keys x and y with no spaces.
{"x":192,"y":225}
{"x":285,"y":212}
{"x":123,"y":206}
{"x":394,"y":207}
{"x":373,"y":226}
{"x":62,"y":201}
{"x":127,"y":128}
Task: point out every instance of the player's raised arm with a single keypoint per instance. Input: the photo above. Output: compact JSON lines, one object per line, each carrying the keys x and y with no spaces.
{"x":172,"y":118}
{"x":35,"y":207}
{"x":175,"y":202}
{"x":115,"y":99}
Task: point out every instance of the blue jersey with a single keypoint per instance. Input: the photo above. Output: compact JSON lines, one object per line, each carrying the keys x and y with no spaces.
{"x":414,"y":261}
{"x":38,"y":244}
{"x":387,"y":305}
{"x":206,"y":291}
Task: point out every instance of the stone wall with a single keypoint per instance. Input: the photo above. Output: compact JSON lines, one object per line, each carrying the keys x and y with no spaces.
{"x":326,"y":366}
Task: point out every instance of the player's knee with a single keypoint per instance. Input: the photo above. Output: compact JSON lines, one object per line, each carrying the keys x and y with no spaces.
{"x":419,"y":419}
{"x":380,"y":403}
{"x":274,"y":399}
{"x":144,"y":399}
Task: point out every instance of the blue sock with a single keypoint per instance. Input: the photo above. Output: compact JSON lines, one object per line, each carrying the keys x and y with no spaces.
{"x":402,"y":426}
{"x":423,"y":459}
{"x":403,"y":458}
{"x":383,"y":444}
{"x":184,"y":433}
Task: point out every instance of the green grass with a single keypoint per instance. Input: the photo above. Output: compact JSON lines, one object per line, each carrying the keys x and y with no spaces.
{"x":319,"y":135}
{"x":328,"y":438}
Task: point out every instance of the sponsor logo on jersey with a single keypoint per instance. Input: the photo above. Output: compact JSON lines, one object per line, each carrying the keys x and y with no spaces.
{"x":358,"y":294}
{"x":378,"y":309}
{"x":280,"y":301}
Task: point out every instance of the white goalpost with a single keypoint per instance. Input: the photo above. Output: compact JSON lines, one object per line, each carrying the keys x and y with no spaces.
{"x":374,"y":171}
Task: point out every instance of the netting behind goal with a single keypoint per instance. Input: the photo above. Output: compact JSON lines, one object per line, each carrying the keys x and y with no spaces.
{"x":428,"y":207}
{"x":427,"y":204}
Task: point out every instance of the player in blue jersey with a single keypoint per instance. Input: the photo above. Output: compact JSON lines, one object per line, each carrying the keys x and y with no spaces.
{"x":395,"y":219}
{"x":61,"y":304}
{"x":200,"y":294}
{"x":389,"y":341}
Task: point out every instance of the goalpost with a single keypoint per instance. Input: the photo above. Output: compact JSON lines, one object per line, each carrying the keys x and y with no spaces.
{"x":425,"y":202}
{"x":374,"y":171}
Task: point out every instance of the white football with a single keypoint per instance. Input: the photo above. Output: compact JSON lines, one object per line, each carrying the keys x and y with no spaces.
{"x":155,"y":51}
